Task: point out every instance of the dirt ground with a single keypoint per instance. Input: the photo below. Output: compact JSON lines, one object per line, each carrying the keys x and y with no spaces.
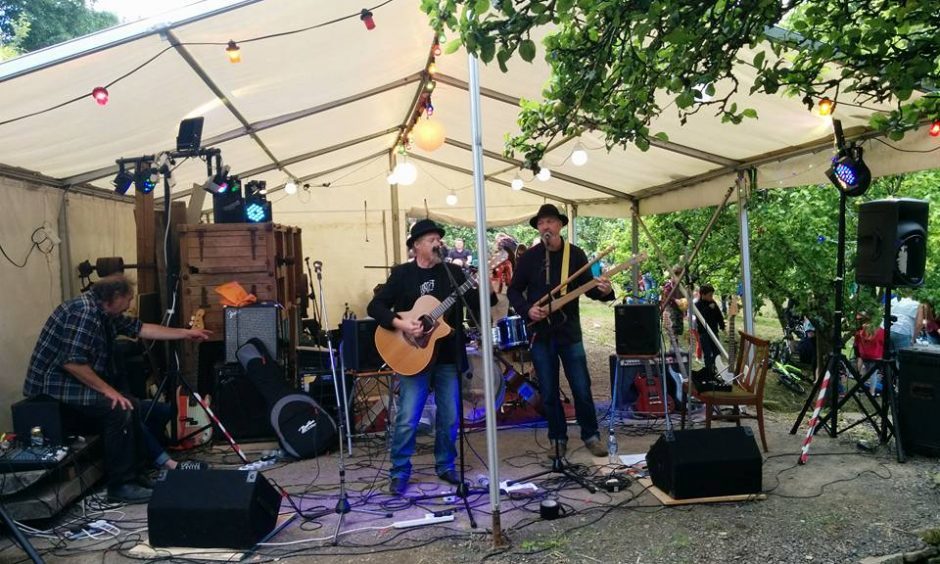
{"x":846,"y":504}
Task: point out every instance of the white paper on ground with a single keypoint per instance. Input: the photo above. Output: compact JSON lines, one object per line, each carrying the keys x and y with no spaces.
{"x":631,"y":459}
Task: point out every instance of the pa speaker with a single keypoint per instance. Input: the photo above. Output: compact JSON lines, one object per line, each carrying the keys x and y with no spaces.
{"x":211,"y":509}
{"x":637,"y":329}
{"x":189,"y":136}
{"x":919,"y":399}
{"x":892,"y":243}
{"x":239,"y":406}
{"x":706,"y":463}
{"x":258,"y":321}
{"x":359,"y":352}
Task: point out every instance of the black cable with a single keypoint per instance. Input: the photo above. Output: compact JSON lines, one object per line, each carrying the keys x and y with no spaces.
{"x":900,"y":150}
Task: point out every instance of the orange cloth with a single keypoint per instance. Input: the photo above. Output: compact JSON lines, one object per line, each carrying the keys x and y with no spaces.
{"x":234,"y":295}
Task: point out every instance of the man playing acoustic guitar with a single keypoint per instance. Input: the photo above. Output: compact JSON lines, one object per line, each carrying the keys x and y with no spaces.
{"x":425,"y":276}
{"x":558,"y":331}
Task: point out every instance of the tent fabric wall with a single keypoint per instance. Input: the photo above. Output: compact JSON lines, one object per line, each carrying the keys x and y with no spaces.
{"x":31,"y":293}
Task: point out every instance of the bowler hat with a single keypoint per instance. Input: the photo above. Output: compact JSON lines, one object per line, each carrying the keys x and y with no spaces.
{"x":423,"y":227}
{"x":548,"y":210}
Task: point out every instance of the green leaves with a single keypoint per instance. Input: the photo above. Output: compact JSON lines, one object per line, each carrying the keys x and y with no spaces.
{"x":527,"y":50}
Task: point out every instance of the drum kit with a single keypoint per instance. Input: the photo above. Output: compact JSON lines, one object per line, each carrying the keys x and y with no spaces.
{"x":514,"y":388}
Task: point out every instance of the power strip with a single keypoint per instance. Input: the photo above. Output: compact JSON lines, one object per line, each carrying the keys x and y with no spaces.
{"x":260,"y":464}
{"x":428,"y":519}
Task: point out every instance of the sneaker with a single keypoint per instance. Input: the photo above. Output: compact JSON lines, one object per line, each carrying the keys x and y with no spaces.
{"x":595,"y":447}
{"x":397,"y":485}
{"x":450,"y":476}
{"x":129,"y":493}
{"x":192,"y":465}
{"x":557,"y":449}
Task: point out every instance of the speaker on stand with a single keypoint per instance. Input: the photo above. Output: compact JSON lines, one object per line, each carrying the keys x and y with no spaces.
{"x":892,"y":243}
{"x":637,"y":329}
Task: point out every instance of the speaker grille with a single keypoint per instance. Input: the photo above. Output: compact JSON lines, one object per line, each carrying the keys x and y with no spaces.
{"x":244,"y":323}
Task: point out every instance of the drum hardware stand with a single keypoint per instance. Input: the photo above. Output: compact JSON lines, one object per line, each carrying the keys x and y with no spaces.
{"x":342,"y":504}
{"x":461,"y":490}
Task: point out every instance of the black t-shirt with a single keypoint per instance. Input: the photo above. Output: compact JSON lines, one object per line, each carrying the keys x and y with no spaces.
{"x":528,"y":285}
{"x":408,"y":282}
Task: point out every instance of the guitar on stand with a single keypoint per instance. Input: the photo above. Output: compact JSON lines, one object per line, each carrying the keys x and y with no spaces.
{"x":407,"y":355}
{"x":193,"y":426}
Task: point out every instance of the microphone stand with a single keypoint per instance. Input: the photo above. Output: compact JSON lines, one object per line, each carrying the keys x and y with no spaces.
{"x":342,"y":504}
{"x":313,"y":296}
{"x":461,"y":490}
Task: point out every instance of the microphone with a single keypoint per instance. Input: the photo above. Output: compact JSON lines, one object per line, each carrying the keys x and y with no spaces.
{"x":439,"y":251}
{"x":318,"y":265}
{"x":546,"y":236}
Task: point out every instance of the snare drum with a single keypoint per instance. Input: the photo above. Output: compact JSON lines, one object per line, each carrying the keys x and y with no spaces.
{"x":512,"y":333}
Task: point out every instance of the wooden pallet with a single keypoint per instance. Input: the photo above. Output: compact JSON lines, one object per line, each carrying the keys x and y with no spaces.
{"x":665,"y":499}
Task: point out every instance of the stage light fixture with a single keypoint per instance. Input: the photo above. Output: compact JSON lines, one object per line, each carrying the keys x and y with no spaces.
{"x":123,"y":180}
{"x":218,"y":183}
{"x":146,"y":178}
{"x":257,"y":206}
{"x":848,"y":172}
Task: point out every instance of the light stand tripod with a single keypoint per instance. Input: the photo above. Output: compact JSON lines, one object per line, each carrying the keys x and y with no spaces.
{"x":837,"y":360}
{"x":462,"y":490}
{"x":342,"y":415}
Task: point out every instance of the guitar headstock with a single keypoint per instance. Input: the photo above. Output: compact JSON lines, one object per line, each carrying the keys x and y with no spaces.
{"x":198,"y":319}
{"x":733,"y":305}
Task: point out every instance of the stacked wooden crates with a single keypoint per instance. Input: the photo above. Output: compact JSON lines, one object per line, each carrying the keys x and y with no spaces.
{"x":265,"y":258}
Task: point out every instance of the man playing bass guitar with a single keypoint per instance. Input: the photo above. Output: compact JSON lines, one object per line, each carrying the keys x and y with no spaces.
{"x":425,"y":276}
{"x":558,"y":332}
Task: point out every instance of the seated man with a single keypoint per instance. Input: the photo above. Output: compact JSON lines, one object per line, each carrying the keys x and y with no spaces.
{"x":73,"y":363}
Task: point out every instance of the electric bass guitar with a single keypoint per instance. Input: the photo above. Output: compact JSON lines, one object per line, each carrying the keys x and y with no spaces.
{"x":193,"y":427}
{"x":408,"y":355}
{"x":556,"y":304}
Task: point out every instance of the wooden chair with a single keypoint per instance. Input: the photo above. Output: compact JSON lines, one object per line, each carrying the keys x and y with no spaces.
{"x":748,"y":388}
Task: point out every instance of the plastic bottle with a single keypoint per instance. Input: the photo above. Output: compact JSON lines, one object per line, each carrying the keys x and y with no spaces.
{"x":612,"y":448}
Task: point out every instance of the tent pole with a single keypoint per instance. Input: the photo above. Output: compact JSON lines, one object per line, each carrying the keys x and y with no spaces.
{"x":635,"y":247}
{"x":743,"y":187}
{"x":65,"y":250}
{"x":396,"y":213}
{"x":489,"y":393}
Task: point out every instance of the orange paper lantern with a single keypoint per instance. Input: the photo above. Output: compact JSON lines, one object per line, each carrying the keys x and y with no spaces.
{"x":428,"y":134}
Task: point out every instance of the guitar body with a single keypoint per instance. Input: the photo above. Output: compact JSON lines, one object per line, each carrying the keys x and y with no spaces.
{"x":650,"y":394}
{"x":192,"y":420}
{"x":408,"y":356}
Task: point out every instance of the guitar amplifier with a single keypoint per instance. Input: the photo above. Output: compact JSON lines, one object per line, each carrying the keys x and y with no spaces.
{"x":258,"y":321}
{"x":359,"y":352}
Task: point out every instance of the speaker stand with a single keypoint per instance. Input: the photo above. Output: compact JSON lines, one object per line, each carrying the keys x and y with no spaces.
{"x":19,"y":537}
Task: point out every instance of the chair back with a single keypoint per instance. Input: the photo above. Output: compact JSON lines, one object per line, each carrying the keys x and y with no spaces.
{"x":752,"y":363}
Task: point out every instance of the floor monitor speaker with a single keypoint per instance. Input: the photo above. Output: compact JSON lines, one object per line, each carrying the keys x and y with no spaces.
{"x":637,"y":329}
{"x":706,"y":463}
{"x":211,"y":509}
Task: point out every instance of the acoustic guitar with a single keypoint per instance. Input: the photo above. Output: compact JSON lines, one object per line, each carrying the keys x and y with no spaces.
{"x":407,"y":355}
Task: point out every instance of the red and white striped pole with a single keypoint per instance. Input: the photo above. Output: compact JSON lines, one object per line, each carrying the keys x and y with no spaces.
{"x":814,"y":420}
{"x":228,"y":437}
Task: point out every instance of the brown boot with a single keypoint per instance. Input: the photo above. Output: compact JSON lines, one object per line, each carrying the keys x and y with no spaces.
{"x":595,"y":446}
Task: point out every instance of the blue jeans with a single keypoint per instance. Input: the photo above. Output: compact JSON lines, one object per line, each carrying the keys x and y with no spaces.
{"x":412,"y":394}
{"x":153,"y":428}
{"x":545,"y":356}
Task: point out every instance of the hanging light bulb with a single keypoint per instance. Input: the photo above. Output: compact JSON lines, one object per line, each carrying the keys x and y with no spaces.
{"x":544,"y":174}
{"x":436,"y":50}
{"x":290,"y":187}
{"x":934,"y":129}
{"x":429,"y":109}
{"x":517,"y":183}
{"x":430,"y":85}
{"x":392,"y":178}
{"x":100,"y":94}
{"x":579,"y":156}
{"x":366,"y":17}
{"x":826,"y":107}
{"x":432,"y":69}
{"x":452,"y":199}
{"x":406,"y":173}
{"x":234,"y":52}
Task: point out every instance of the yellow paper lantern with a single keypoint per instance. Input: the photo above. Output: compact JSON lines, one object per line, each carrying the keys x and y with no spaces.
{"x":428,"y":134}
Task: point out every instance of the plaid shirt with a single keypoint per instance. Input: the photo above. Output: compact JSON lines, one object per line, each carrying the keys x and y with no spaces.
{"x":80,"y":332}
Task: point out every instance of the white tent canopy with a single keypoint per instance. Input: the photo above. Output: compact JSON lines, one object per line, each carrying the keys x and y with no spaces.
{"x":325,"y":106}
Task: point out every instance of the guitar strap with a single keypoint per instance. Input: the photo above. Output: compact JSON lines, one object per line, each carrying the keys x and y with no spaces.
{"x":565,"y":260}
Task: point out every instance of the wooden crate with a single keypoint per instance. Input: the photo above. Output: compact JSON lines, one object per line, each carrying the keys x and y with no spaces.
{"x":265,"y":258}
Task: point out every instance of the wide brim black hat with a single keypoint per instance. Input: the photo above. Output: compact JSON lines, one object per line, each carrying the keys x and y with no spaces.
{"x":548,"y":210}
{"x":423,"y":227}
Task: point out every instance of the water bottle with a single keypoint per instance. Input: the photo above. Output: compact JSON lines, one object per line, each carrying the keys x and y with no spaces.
{"x":612,"y":448}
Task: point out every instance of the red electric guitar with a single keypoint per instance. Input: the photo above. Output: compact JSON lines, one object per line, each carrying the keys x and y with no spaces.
{"x":650,"y":393}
